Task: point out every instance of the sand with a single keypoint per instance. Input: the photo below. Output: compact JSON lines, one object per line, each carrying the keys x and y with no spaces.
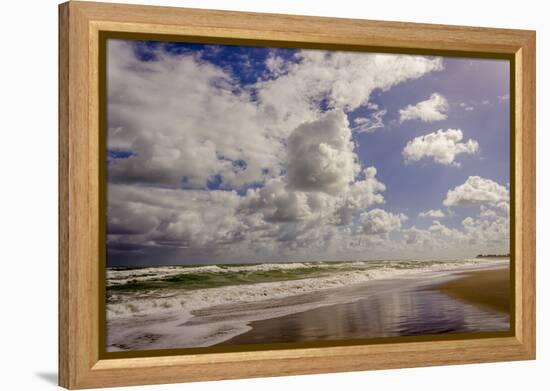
{"x":476,"y":301}
{"x":489,"y":288}
{"x":471,"y":299}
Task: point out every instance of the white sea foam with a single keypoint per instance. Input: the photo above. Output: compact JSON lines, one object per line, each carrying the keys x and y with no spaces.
{"x":123,"y":276}
{"x":118,"y":277}
{"x":184,"y":302}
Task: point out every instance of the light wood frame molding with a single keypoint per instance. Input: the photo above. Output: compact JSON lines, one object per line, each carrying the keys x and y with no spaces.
{"x":80,"y":364}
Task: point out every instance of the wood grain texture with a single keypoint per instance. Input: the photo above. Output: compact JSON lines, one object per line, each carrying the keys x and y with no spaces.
{"x":79,"y":202}
{"x":525,"y":122}
{"x":64,"y":353}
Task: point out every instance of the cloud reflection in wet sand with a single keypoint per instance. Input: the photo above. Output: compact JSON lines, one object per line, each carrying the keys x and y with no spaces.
{"x":388,"y":311}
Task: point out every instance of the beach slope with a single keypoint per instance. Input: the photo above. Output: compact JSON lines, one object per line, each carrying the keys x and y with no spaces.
{"x":490,"y":288}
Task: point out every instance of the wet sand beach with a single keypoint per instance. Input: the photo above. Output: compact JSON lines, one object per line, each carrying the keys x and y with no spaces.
{"x":473,"y":301}
{"x":241,"y":305}
{"x":489,"y":288}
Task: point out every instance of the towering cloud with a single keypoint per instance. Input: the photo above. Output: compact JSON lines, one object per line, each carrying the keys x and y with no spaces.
{"x":321,"y":155}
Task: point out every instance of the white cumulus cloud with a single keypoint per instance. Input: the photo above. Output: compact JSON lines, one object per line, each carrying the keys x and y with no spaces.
{"x":380,"y":222}
{"x":478,"y":191}
{"x":433,"y":213}
{"x":279,"y":151}
{"x":187,"y":119}
{"x":321,"y":155}
{"x":433,"y":109}
{"x":443,"y":146}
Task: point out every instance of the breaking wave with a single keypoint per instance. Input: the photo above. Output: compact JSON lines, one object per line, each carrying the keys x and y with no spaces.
{"x":184,"y":289}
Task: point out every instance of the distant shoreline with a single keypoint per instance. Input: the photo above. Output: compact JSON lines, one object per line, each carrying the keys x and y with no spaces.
{"x":493,"y":256}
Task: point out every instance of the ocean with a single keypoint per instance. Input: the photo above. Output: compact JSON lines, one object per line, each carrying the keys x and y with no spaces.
{"x":197,"y":306}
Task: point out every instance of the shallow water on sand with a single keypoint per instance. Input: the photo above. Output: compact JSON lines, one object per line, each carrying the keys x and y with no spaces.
{"x":389,"y":309}
{"x":405,"y":306}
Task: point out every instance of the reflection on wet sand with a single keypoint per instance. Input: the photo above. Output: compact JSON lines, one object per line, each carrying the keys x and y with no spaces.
{"x":424,"y":304}
{"x":387,"y":308}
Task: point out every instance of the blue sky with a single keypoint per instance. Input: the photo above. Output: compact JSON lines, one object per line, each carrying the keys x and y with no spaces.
{"x":221,"y":153}
{"x":463,"y":81}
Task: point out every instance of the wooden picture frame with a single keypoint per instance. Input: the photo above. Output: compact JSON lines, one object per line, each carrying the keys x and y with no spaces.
{"x":80,"y":163}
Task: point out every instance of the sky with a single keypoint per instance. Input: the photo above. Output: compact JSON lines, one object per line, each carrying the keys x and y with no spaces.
{"x":236,"y":154}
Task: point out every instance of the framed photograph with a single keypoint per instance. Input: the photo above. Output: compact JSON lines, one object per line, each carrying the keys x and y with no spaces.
{"x":247,"y":195}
